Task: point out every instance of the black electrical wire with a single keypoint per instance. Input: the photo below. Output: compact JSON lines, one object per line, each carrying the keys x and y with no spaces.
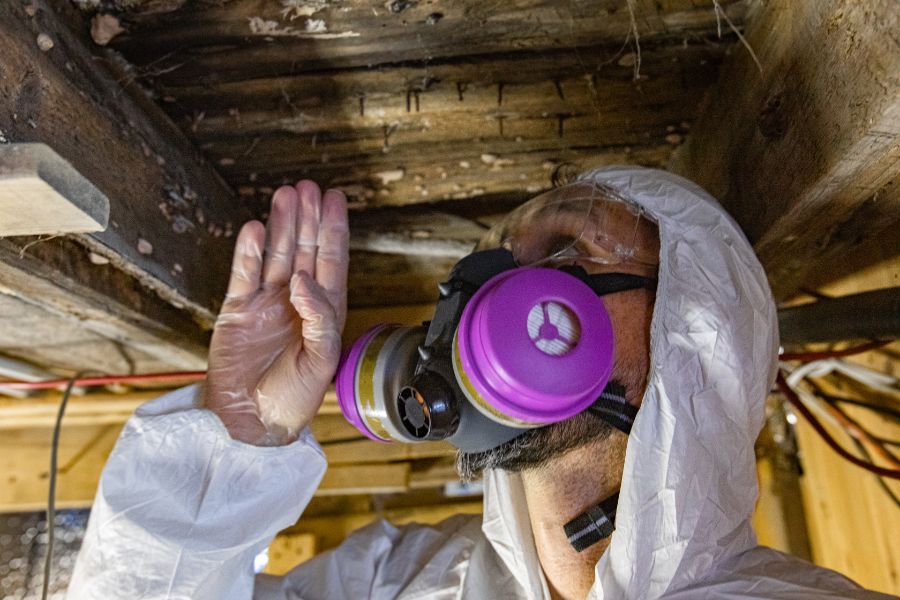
{"x":51,"y":495}
{"x":800,"y":407}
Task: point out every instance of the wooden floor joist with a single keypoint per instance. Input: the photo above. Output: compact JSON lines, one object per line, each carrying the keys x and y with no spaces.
{"x":167,"y":242}
{"x":811,"y":143}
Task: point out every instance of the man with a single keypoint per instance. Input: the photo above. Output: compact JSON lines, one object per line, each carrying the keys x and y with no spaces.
{"x":201,"y":480}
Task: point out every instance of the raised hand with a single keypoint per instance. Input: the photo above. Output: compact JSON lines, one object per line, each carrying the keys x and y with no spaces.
{"x":277,"y":340}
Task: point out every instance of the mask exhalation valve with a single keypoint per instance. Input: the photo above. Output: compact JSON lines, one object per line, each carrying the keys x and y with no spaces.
{"x":427,"y":408}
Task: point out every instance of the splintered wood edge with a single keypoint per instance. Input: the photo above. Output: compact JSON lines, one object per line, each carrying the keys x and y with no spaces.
{"x":41,"y":193}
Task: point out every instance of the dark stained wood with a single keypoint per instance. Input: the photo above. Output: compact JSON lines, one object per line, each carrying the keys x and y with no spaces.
{"x":257,"y":38}
{"x":58,"y":282}
{"x":467,"y":113}
{"x":796,"y":152}
{"x":157,"y":184}
{"x":357,"y":129}
{"x":386,"y":279}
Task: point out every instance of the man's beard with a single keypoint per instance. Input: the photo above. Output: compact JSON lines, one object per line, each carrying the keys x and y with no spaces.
{"x":536,"y":447}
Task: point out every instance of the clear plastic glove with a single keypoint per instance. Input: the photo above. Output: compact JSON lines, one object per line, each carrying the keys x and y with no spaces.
{"x":277,"y":340}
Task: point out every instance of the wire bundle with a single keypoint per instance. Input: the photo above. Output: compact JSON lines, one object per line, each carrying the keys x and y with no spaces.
{"x":812,"y":398}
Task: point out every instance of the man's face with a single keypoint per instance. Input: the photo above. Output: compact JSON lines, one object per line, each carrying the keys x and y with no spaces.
{"x":603,"y":236}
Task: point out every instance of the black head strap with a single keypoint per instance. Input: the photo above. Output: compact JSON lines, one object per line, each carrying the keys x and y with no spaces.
{"x":593,"y":525}
{"x":610,"y":283}
{"x":598,"y":522}
{"x":613,"y":408}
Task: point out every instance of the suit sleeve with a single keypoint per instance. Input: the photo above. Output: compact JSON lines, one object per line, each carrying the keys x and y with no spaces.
{"x":182,"y":510}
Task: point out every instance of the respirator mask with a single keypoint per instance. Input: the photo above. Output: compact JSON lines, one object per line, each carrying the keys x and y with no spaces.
{"x":520,"y":336}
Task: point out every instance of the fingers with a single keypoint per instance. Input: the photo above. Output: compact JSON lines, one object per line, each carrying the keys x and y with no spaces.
{"x":246,"y":266}
{"x":320,"y":329}
{"x":333,"y":255}
{"x":280,"y":236}
{"x":308,"y":217}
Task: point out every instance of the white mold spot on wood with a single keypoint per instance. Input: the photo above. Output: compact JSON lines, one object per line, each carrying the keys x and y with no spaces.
{"x":391,"y":176}
{"x":295,"y":9}
{"x":97,"y":259}
{"x":144,"y":247}
{"x":45,"y":42}
{"x":268,"y":28}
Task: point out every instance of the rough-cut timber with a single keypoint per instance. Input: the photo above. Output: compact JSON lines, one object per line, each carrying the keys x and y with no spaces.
{"x":797,"y":151}
{"x":437,"y":131}
{"x":245,"y":39}
{"x":170,"y":214}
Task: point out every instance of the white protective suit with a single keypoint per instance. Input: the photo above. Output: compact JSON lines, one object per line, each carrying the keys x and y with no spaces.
{"x":182,"y":510}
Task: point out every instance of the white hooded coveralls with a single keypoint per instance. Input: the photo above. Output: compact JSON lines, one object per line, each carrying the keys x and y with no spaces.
{"x":182,"y":509}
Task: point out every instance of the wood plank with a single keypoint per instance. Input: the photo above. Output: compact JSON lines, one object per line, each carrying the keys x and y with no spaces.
{"x":377,"y":279}
{"x":96,"y":409}
{"x":25,"y":459}
{"x":104,"y":408}
{"x":365,"y":479}
{"x":167,"y":184}
{"x":331,"y":530}
{"x":361,"y":319}
{"x":40,"y":193}
{"x":435,"y":473}
{"x":57,"y":280}
{"x":231,"y":41}
{"x":349,"y":128}
{"x":826,"y":104}
{"x":852,"y":522}
{"x":453,"y":173}
{"x":501,"y":86}
{"x":59,"y":341}
{"x":420,"y":233}
{"x":369,"y":451}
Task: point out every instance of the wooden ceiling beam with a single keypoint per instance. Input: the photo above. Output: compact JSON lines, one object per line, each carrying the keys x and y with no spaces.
{"x":230,"y":42}
{"x":797,"y":151}
{"x":466,"y":172}
{"x":389,"y":137}
{"x":169,"y":210}
{"x":385,"y":87}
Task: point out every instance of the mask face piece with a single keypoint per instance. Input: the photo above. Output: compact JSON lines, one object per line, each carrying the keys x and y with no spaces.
{"x":509,"y":348}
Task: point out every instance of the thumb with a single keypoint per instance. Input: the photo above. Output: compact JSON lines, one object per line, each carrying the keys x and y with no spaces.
{"x":320,"y":327}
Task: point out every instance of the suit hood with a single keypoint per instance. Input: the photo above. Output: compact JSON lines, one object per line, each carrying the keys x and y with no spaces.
{"x":689,"y":483}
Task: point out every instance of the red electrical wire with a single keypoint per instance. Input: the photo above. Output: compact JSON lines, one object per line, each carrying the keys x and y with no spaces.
{"x":179,"y":376}
{"x":795,"y":401}
{"x":810,"y":356}
{"x":185,"y":376}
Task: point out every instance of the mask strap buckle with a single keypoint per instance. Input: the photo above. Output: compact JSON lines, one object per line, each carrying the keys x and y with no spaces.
{"x":593,"y":525}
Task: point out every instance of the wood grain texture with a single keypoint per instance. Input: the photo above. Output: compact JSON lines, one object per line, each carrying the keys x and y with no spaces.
{"x":408,"y":135}
{"x":156,"y":182}
{"x":40,"y":193}
{"x":796,"y":151}
{"x":852,"y":522}
{"x":251,"y":38}
{"x":84,"y":449}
